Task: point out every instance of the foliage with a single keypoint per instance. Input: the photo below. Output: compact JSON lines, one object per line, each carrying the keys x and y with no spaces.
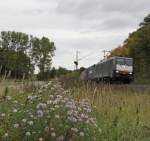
{"x":119,"y":51}
{"x":53,"y":73}
{"x":20,"y":53}
{"x":42,"y":53}
{"x":14,"y":60}
{"x":137,"y":46}
{"x":122,"y":111}
{"x":46,"y":114}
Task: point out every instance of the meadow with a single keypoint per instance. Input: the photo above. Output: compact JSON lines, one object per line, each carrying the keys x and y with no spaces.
{"x":74,"y":111}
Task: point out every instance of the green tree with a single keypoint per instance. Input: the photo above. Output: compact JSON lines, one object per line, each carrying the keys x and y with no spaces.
{"x":42,"y":53}
{"x":137,"y":46}
{"x":14,"y":53}
{"x":146,"y":21}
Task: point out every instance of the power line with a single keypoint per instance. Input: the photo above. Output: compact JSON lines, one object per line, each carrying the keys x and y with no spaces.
{"x":90,"y":54}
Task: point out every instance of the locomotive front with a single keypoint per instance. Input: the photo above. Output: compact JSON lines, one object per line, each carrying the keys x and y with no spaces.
{"x":124,"y":69}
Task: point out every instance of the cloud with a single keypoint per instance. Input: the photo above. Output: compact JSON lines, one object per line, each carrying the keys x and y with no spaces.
{"x":106,"y":14}
{"x":83,"y":25}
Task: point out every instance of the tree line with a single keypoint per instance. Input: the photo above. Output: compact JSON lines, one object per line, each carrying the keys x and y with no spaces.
{"x":137,"y":46}
{"x":21,"y":54}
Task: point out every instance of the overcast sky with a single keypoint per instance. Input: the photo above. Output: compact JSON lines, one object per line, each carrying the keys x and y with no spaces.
{"x":89,"y":26}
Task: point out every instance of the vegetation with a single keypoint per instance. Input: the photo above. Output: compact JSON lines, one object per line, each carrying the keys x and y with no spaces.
{"x":137,"y":46}
{"x":21,"y":53}
{"x":83,"y":111}
{"x":47,"y":113}
{"x":122,"y":111}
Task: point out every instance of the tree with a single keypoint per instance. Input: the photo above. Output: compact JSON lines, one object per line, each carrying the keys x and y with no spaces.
{"x":137,"y":46}
{"x":119,"y":51}
{"x":146,"y":21}
{"x":14,"y":53}
{"x":42,"y":53}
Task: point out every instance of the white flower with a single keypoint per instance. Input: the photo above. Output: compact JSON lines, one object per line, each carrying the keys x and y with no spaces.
{"x":52,"y":109}
{"x":74,"y":130}
{"x":53,"y":134}
{"x":40,"y":139}
{"x":52,"y":129}
{"x":28,"y":133}
{"x":30,"y":97}
{"x":57,"y":116}
{"x":72,"y":119}
{"x":41,"y":105}
{"x":31,"y":115}
{"x":24,"y":120}
{"x":100,"y":130}
{"x":60,"y":138}
{"x":30,"y":122}
{"x":49,"y":102}
{"x":15,"y":110}
{"x":15,"y":101}
{"x":3,"y":114}
{"x":16,"y":125}
{"x":56,"y":106}
{"x":40,"y":113}
{"x":6,"y":135}
{"x":8,"y":97}
{"x":81,"y":134}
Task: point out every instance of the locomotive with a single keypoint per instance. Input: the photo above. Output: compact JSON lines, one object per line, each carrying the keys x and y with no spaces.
{"x":114,"y":69}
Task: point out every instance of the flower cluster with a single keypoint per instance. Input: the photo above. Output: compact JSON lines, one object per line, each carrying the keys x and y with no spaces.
{"x":47,"y":114}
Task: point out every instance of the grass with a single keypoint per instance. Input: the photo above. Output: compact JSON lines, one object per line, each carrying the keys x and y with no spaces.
{"x":120,"y":112}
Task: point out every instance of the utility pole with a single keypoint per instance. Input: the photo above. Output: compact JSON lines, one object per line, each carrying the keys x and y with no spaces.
{"x":105,"y":51}
{"x":77,"y":60}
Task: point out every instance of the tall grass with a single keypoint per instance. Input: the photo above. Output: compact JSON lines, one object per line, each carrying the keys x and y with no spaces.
{"x":119,"y":112}
{"x":123,"y":111}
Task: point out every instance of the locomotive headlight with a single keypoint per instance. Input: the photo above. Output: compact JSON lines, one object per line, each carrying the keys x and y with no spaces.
{"x":130,"y":72}
{"x":117,"y":71}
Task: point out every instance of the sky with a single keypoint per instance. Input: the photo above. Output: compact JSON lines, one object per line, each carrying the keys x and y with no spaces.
{"x":86,"y":26}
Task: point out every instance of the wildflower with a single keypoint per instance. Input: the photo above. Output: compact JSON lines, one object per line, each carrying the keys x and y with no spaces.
{"x":74,"y":130}
{"x":46,"y":129}
{"x":100,"y":130}
{"x":49,"y":102}
{"x":53,"y":134}
{"x":72,"y":119}
{"x":15,"y":101}
{"x":15,"y":110}
{"x":40,"y":139}
{"x":57,"y":116}
{"x":60,"y":138}
{"x":8,"y":97}
{"x":28,"y":133}
{"x":52,"y":129}
{"x":56,"y":106}
{"x":3,"y":115}
{"x":30,"y":97}
{"x":41,"y":105}
{"x":81,"y":134}
{"x":30,"y":122}
{"x":6,"y":135}
{"x":16,"y":125}
{"x":31,"y":115}
{"x":40,"y":113}
{"x":24,"y":120}
{"x":52,"y":109}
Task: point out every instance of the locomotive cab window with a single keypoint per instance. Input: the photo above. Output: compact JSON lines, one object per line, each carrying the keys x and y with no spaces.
{"x":128,"y":62}
{"x":120,"y":61}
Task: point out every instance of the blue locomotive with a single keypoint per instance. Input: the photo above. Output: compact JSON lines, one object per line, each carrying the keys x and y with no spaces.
{"x":110,"y":70}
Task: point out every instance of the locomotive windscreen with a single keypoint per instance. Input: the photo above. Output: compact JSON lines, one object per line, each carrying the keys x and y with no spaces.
{"x":124,"y":61}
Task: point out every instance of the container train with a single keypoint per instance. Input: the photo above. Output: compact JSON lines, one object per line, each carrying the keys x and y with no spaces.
{"x":114,"y":69}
